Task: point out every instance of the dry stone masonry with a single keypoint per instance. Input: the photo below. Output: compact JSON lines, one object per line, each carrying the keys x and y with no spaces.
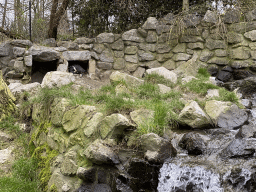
{"x":229,"y":51}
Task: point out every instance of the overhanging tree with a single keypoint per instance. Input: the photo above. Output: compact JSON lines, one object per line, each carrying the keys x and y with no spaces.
{"x":57,"y":12}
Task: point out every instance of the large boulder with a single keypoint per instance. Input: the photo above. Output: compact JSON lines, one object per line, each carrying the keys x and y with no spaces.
{"x":142,"y":116}
{"x":114,"y":126}
{"x":99,"y":152}
{"x":169,"y":75}
{"x":19,"y":88}
{"x":194,"y":143}
{"x":225,"y":114}
{"x":128,"y":79}
{"x":7,"y":106}
{"x":239,"y":148}
{"x":57,"y":79}
{"x":192,"y":115}
{"x":78,"y":117}
{"x":156,"y":148}
{"x":246,"y":131}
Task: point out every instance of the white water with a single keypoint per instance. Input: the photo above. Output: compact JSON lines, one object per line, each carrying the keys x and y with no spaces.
{"x":175,"y":177}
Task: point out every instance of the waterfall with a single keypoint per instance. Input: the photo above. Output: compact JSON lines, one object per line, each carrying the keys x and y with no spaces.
{"x":174,"y":178}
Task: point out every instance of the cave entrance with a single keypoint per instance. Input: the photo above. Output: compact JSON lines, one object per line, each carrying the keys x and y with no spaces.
{"x":39,"y":69}
{"x":83,"y":64}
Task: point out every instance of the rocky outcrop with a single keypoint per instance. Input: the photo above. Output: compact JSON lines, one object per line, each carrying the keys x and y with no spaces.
{"x":57,"y":79}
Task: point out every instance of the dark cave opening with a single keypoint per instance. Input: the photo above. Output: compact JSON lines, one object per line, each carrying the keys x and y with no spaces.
{"x":83,"y":64}
{"x":39,"y":69}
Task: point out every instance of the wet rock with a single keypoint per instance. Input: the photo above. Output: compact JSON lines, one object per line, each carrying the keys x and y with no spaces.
{"x":144,"y":176}
{"x":94,"y":188}
{"x":99,"y":152}
{"x":193,"y":143}
{"x":88,"y":175}
{"x":237,"y":177}
{"x":157,"y":148}
{"x":239,"y":148}
{"x":213,"y":70}
{"x":241,"y":74}
{"x":251,"y":183}
{"x":246,"y":131}
{"x":224,"y":76}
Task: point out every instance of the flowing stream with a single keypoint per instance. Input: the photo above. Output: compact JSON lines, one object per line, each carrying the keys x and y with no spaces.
{"x":210,"y":172}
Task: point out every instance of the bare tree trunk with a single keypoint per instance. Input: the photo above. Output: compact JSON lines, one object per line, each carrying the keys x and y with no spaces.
{"x":4,"y":14}
{"x":55,"y":17}
{"x":185,"y":6}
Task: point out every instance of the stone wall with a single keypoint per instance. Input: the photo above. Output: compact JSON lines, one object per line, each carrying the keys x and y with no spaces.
{"x":225,"y":44}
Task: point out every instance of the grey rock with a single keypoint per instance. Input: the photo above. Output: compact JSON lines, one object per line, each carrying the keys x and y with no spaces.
{"x":239,"y":64}
{"x":119,"y":63}
{"x":219,"y":61}
{"x":98,"y":48}
{"x":181,"y":57}
{"x":163,"y":72}
{"x":163,"y":48}
{"x":151,"y":64}
{"x":193,"y":116}
{"x":142,"y":32}
{"x":118,"y":45}
{"x":139,"y":73}
{"x":234,"y":117}
{"x":145,"y":56}
{"x":152,"y":37}
{"x":194,"y":143}
{"x":251,"y":35}
{"x":170,"y":65}
{"x":233,"y":37}
{"x":85,"y":46}
{"x":215,"y":44}
{"x":147,"y":47}
{"x":198,"y":45}
{"x":130,"y":80}
{"x":232,"y":16}
{"x":84,"y":40}
{"x":191,"y":39}
{"x":104,"y":65}
{"x":164,"y":57}
{"x":239,"y":148}
{"x":192,"y":20}
{"x":210,"y":17}
{"x":131,"y":58}
{"x":131,"y":50}
{"x":221,"y":53}
{"x":105,"y":38}
{"x":119,"y":54}
{"x":150,"y":24}
{"x":76,"y":55}
{"x":240,"y":53}
{"x":19,"y":66}
{"x":57,"y":79}
{"x":180,"y":48}
{"x":132,"y":35}
{"x":99,"y":152}
{"x":21,"y":43}
{"x":88,"y":174}
{"x":107,"y":56}
{"x":50,"y":42}
{"x":18,"y":51}
{"x":206,"y":55}
{"x":157,"y":148}
{"x":246,"y":131}
{"x":44,"y":54}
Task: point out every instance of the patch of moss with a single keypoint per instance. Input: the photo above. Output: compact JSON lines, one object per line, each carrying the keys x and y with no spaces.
{"x":44,"y":156}
{"x":53,"y":188}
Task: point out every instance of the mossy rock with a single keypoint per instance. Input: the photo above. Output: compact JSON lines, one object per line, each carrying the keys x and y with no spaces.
{"x":7,"y":106}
